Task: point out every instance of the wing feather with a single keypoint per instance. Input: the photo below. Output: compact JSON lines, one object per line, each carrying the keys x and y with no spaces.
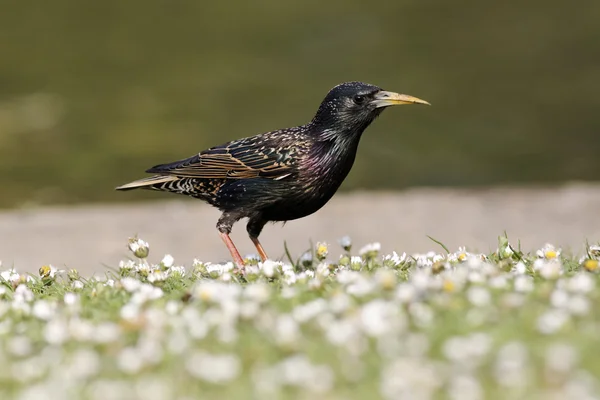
{"x":243,"y":159}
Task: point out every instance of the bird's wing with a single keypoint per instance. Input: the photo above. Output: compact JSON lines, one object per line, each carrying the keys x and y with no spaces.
{"x":241,"y":159}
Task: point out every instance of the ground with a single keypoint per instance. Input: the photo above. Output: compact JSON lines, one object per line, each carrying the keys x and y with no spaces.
{"x":90,"y":238}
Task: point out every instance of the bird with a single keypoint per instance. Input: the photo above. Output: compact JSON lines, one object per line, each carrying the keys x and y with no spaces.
{"x":280,"y":175}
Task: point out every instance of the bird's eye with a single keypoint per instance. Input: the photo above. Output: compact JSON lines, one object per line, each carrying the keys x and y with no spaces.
{"x":359,"y":99}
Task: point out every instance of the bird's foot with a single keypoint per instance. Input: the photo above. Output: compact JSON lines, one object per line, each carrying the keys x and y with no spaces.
{"x":239,"y":269}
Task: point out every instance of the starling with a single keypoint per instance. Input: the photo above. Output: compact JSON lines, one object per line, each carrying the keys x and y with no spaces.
{"x":280,"y":175}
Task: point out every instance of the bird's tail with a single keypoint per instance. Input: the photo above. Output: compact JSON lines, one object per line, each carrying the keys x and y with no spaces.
{"x":148,"y":183}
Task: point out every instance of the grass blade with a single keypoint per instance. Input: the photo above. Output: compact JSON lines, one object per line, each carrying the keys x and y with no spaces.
{"x":440,"y":243}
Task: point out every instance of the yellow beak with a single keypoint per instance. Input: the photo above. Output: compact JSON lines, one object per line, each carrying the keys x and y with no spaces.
{"x":384,"y":99}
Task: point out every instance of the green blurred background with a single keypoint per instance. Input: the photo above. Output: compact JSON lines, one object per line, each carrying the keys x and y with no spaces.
{"x":93,"y":93}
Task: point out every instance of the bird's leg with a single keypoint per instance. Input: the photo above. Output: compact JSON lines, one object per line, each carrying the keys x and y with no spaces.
{"x":254,"y":227}
{"x":235,"y":254}
{"x":259,"y":248}
{"x":224,"y":226}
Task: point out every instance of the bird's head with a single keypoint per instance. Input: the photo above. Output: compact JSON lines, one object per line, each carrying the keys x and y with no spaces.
{"x":350,"y":107}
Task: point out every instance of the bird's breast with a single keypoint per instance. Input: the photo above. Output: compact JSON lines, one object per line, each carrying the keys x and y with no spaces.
{"x":319,"y":177}
{"x":327,"y":166}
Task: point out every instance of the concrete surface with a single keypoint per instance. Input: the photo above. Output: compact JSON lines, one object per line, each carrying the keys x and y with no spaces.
{"x":90,"y":238}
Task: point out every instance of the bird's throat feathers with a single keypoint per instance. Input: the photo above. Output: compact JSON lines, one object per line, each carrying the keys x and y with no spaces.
{"x":343,"y":125}
{"x":338,"y":139}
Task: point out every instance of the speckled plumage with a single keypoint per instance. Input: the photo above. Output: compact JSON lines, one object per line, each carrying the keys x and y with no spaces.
{"x":280,"y":175}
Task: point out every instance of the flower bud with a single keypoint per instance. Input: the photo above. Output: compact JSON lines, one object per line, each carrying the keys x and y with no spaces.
{"x":346,"y":243}
{"x":138,"y":247}
{"x":73,"y":275}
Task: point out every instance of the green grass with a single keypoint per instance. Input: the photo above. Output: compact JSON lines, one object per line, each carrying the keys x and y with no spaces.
{"x":508,"y":325}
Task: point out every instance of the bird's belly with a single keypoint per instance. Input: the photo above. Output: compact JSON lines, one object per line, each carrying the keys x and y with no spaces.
{"x":305,"y":201}
{"x":293,"y":209}
{"x":276,"y":200}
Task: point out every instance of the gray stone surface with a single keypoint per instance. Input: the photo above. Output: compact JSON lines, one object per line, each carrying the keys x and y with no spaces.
{"x":91,"y":238}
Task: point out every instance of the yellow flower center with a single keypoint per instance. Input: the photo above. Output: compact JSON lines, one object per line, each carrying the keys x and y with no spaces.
{"x":45,"y":271}
{"x":322,"y":251}
{"x":550,"y":254}
{"x":205,"y":295}
{"x":462,"y":257}
{"x":388,"y":280}
{"x":590,"y":265}
{"x":448,"y":286}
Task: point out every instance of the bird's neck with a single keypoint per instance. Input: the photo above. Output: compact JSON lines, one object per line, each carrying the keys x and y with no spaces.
{"x":333,"y":154}
{"x":336,"y":143}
